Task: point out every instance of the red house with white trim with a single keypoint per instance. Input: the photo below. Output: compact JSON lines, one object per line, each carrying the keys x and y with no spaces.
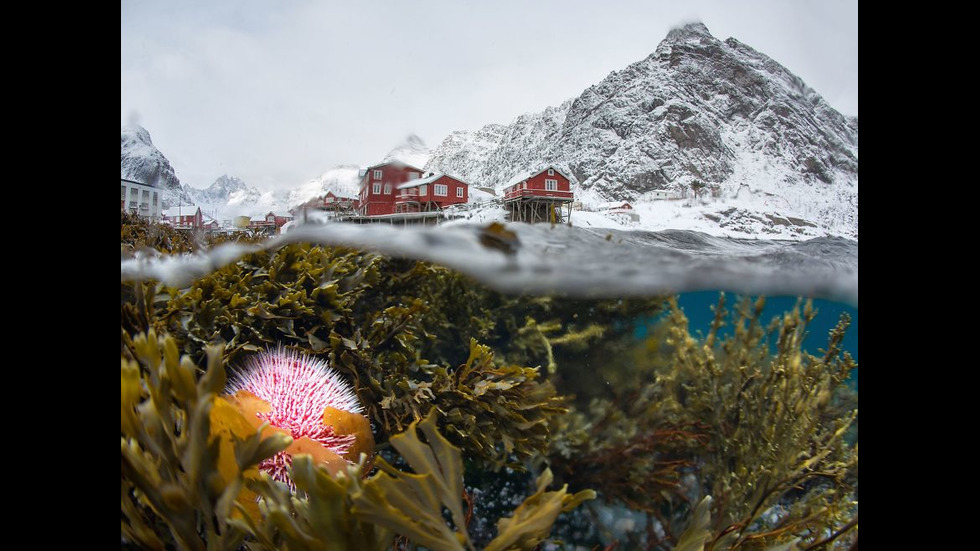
{"x":278,"y":218}
{"x":434,"y":192}
{"x":184,"y":217}
{"x":539,"y":196}
{"x":379,"y":186}
{"x":545,"y":183}
{"x":339,"y":201}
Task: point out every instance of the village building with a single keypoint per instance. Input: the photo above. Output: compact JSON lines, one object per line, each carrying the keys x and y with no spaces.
{"x":542,"y":195}
{"x":278,"y":219}
{"x":209,"y":224}
{"x":379,"y":187}
{"x":660,"y":194}
{"x":620,"y":208}
{"x":184,"y":217}
{"x":141,"y":199}
{"x":269,"y":224}
{"x":262,"y":224}
{"x":339,"y":202}
{"x":615,"y":205}
{"x":431,"y":193}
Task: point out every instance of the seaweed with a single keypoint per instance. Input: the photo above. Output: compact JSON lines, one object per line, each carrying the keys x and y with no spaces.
{"x":190,"y":480}
{"x":748,"y":418}
{"x":547,"y":386}
{"x":364,"y":313}
{"x":778,"y":465}
{"x":179,"y":483}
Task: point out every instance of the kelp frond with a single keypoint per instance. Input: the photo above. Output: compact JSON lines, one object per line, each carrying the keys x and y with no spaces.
{"x":179,"y":485}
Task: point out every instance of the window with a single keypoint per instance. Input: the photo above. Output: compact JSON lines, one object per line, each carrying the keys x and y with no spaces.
{"x":423,"y":189}
{"x":441,"y":189}
{"x":123,"y":189}
{"x":154,"y":198}
{"x":133,"y":193}
{"x":377,"y":174}
{"x":551,"y":172}
{"x":459,"y":192}
{"x":551,"y":185}
{"x":387,"y":189}
{"x":414,"y":176}
{"x":376,"y":188}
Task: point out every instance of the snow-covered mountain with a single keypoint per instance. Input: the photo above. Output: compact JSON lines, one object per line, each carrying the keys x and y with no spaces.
{"x":143,"y":162}
{"x":221,"y":190}
{"x":341,"y":179}
{"x":697,"y":109}
{"x":229,"y":196}
{"x":412,"y":151}
{"x":777,"y":161}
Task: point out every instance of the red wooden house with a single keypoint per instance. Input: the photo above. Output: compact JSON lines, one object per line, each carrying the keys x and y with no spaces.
{"x":339,"y":202}
{"x":269,"y":224}
{"x":545,"y":183}
{"x":209,"y":224}
{"x":184,"y":217}
{"x":434,"y":192}
{"x":379,"y":186}
{"x":278,"y":218}
{"x":539,"y":196}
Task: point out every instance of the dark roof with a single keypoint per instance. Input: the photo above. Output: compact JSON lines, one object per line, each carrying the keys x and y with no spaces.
{"x":400,"y":163}
{"x":135,"y":182}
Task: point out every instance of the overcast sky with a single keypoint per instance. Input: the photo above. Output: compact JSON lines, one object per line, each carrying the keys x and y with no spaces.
{"x":276,"y":92}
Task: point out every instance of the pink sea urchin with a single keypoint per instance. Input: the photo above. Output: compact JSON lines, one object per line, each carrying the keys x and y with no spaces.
{"x":301,"y":394}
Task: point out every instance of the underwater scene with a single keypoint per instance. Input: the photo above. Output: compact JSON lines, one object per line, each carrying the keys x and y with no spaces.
{"x":487,"y":387}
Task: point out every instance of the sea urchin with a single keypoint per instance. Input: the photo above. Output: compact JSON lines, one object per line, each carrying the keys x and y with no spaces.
{"x":305,"y":398}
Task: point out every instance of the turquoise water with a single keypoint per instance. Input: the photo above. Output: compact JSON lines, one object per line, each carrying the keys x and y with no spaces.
{"x":698,"y":305}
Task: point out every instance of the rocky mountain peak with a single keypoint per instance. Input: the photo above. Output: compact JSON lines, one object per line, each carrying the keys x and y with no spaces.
{"x":227,"y":184}
{"x":143,"y":162}
{"x":134,"y":133}
{"x":690,"y":32}
{"x":696,"y":109}
{"x":412,"y":151}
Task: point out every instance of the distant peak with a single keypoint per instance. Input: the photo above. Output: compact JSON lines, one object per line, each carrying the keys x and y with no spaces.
{"x":412,"y":151}
{"x":695,"y":29}
{"x":138,"y":132}
{"x":414,"y":140}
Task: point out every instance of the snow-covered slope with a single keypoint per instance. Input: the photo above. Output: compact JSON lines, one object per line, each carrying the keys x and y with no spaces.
{"x":229,"y":196}
{"x":341,"y":179}
{"x":412,"y":151}
{"x":143,"y":162}
{"x":777,"y":161}
{"x":697,"y":109}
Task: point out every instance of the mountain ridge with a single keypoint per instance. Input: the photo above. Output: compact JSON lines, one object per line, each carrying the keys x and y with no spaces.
{"x":697,"y":109}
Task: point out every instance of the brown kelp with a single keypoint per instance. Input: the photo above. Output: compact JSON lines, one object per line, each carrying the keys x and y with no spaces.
{"x":745,"y":416}
{"x":447,"y":368}
{"x":189,"y":476}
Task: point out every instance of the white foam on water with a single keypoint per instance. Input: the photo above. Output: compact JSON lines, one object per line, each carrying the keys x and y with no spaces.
{"x":586,"y":262}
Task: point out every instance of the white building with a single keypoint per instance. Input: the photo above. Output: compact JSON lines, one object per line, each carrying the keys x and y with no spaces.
{"x":139,"y":198}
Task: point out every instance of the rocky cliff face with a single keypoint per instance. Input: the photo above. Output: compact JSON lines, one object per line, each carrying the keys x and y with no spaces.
{"x":697,"y":108}
{"x":143,"y":162}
